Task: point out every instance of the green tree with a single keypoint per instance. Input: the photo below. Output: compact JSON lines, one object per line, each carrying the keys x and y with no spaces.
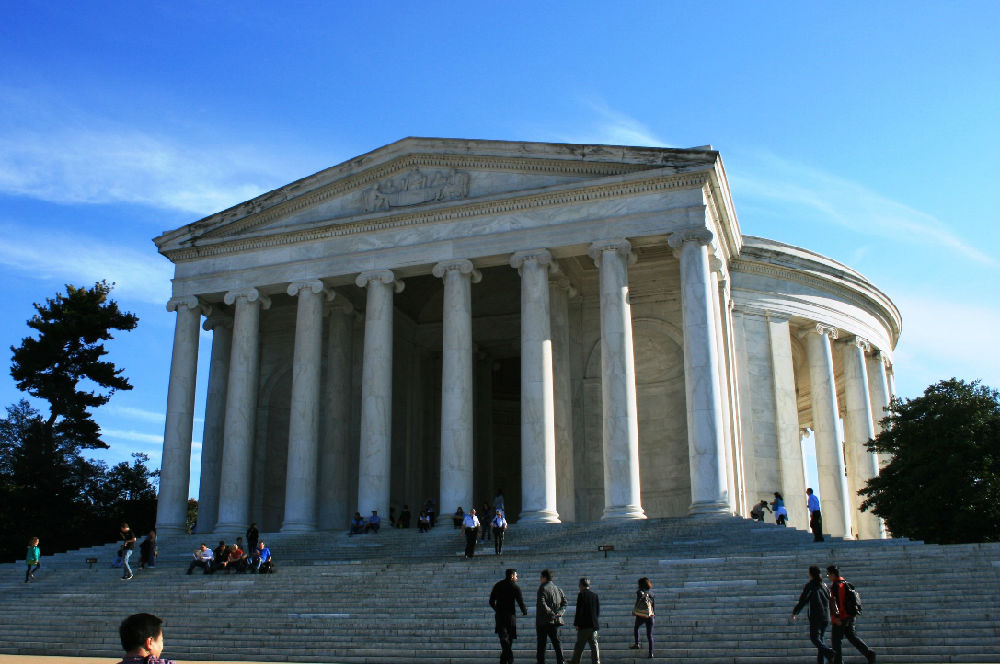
{"x":943,"y":482}
{"x":48,"y":487}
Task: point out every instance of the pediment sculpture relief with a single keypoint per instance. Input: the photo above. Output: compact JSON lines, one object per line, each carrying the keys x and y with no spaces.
{"x":414,"y":187}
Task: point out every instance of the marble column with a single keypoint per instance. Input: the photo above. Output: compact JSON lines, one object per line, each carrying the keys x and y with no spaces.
{"x":786,"y":419}
{"x":375,"y":455}
{"x":538,"y":436}
{"x":241,"y":402}
{"x":175,"y":471}
{"x":878,"y":386}
{"x":456,"y":385}
{"x":718,"y":281}
{"x":622,"y":499}
{"x":221,"y":327}
{"x":826,"y":431}
{"x":560,"y":293}
{"x":862,"y":465}
{"x":706,"y":451}
{"x":303,"y":429}
{"x":333,"y":497}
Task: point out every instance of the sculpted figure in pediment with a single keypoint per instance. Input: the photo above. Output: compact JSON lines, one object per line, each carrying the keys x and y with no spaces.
{"x":414,"y":188}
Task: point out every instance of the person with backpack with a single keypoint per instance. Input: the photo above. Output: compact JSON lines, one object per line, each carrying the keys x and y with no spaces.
{"x":643,"y":611}
{"x":816,"y":595}
{"x":845,"y":606}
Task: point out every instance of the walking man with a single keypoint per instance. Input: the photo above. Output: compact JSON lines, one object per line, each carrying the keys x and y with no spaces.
{"x":843,"y":613}
{"x":499,"y":526}
{"x":502,"y":599}
{"x":550,"y":604}
{"x":816,"y":596}
{"x":588,"y":609}
{"x":815,"y":518}
{"x":128,"y":545}
{"x":470,"y":526}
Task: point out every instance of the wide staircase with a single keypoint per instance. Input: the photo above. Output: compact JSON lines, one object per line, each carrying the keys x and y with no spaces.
{"x":724,"y":589}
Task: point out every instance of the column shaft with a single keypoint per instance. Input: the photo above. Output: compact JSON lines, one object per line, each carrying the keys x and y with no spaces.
{"x":375,"y":460}
{"x":701,"y":376}
{"x":538,"y":438}
{"x":622,"y":499}
{"x":335,"y":467}
{"x":241,"y":401}
{"x":175,"y":472}
{"x":456,"y":386}
{"x":215,"y":421}
{"x":826,"y":431}
{"x":303,"y":429}
{"x":560,"y":292}
{"x":790,"y":461}
{"x":862,"y":465}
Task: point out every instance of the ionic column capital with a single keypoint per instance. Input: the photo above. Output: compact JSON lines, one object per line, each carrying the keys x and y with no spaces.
{"x":539,"y":256}
{"x":620,"y":246}
{"x":381,"y":276}
{"x":460,"y":265}
{"x":558,"y":279}
{"x":862,"y":343}
{"x":338,"y":304}
{"x":828,"y":330}
{"x":314,"y":285}
{"x":248,"y":295}
{"x":190,"y":302}
{"x":700,"y":235}
{"x":217,"y":319}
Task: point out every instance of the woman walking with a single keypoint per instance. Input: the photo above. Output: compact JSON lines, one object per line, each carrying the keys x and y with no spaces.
{"x":643,"y":612}
{"x":32,"y":559}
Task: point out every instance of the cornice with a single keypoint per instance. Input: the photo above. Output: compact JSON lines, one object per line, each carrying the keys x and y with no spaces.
{"x":848,"y":291}
{"x":464,"y":210}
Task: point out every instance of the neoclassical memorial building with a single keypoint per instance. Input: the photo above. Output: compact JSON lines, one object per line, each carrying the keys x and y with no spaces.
{"x":584,"y":326}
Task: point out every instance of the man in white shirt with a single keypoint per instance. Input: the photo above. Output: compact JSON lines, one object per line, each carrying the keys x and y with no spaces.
{"x":202,"y":558}
{"x":470,"y":526}
{"x":499,"y":526}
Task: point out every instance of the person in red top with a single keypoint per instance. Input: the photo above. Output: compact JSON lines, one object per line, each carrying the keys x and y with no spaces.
{"x":843,"y":619}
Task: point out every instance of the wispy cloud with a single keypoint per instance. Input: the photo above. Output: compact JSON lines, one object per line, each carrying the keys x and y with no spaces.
{"x":154,"y":416}
{"x":81,"y":259}
{"x":815,"y":194}
{"x":132,"y":436}
{"x":612,"y":127}
{"x":52,"y":151}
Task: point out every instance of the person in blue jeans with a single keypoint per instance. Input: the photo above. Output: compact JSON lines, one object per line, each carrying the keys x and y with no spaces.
{"x":128,"y":545}
{"x":32,"y":559}
{"x":643,"y":612}
{"x":816,"y":596}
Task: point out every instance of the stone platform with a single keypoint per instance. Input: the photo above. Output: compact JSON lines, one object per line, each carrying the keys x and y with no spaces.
{"x":724,"y":588}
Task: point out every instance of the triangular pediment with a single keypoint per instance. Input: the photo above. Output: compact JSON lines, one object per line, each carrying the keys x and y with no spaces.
{"x":418,"y":174}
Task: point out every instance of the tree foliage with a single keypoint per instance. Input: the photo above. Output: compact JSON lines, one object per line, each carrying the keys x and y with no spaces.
{"x":943,"y":482}
{"x":47,"y":488}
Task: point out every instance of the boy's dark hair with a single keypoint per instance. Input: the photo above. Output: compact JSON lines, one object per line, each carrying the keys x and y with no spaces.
{"x":814,"y":572}
{"x":645,"y":584}
{"x":510,"y":573}
{"x":585,"y":582}
{"x":547,"y":575}
{"x":833,"y":569}
{"x":137,"y":628}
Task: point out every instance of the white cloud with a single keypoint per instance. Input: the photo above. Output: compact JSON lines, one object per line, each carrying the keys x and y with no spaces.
{"x":613,"y":127}
{"x":816,"y":194}
{"x":138,"y":275}
{"x":133,"y":436}
{"x":156,"y":417}
{"x":55,"y":152}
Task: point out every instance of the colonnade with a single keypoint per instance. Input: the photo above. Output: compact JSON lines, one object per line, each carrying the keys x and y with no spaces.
{"x":233,"y":386}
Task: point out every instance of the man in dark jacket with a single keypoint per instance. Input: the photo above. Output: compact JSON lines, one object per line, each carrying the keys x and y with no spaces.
{"x":550,"y":604}
{"x":502,"y":599}
{"x":816,"y":595}
{"x":842,"y":616}
{"x":588,"y":609}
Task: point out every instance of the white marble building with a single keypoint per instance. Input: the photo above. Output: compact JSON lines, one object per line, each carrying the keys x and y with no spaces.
{"x":584,"y":326}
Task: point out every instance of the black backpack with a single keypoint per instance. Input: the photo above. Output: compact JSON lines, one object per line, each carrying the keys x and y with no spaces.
{"x":852,"y":600}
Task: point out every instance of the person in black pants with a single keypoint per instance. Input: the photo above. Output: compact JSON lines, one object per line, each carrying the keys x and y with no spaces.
{"x":588,"y":610}
{"x":816,"y":595}
{"x":843,"y":616}
{"x":502,"y":600}
{"x":550,"y":604}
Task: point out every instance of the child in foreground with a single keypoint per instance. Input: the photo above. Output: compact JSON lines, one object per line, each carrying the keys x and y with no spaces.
{"x":142,"y":639}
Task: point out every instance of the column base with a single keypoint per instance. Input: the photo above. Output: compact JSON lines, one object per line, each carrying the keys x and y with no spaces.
{"x":538,"y":516}
{"x":166,"y":530}
{"x":230,"y":527}
{"x":201,"y":530}
{"x":298,"y":527}
{"x":623,"y":513}
{"x":714,"y":508}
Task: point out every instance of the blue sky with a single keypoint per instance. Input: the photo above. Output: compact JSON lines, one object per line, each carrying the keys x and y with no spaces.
{"x":865,"y":131}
